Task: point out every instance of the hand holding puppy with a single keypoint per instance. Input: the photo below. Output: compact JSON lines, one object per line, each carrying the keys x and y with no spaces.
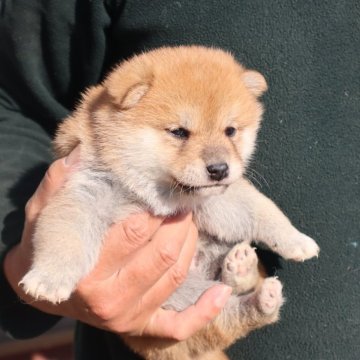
{"x":143,"y":260}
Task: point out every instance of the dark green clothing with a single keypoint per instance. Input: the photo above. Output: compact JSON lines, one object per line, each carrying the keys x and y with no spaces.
{"x":308,"y":149}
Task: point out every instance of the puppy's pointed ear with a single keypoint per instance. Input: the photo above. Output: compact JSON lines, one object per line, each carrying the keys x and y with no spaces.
{"x":255,"y":82}
{"x":128,"y":83}
{"x":133,"y":96}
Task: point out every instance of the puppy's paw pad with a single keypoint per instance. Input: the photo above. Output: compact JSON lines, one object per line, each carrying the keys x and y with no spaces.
{"x":240,"y":260}
{"x":240,"y":267}
{"x":41,"y":287}
{"x":301,"y":248}
{"x":270,"y":296}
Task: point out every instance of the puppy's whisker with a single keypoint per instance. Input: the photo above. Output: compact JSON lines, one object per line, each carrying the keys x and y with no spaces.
{"x":173,"y":187}
{"x":253,"y":175}
{"x":253,"y":179}
{"x":171,"y":190}
{"x":262,"y":177}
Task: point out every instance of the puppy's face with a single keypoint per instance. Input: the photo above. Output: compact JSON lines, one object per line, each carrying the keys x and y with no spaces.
{"x":183,"y":122}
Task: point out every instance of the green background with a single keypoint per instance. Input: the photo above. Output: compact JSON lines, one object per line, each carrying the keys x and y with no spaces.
{"x":308,"y":151}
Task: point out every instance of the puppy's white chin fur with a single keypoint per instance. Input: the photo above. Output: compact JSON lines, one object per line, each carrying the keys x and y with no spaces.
{"x":210,"y":190}
{"x":167,"y":201}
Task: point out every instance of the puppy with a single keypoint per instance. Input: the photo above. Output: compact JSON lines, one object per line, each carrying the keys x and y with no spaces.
{"x":169,"y":131}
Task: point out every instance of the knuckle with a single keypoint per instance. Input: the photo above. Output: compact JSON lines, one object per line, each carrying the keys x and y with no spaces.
{"x":95,"y":304}
{"x":168,"y":256}
{"x":178,"y":275}
{"x":102,"y":310}
{"x":136,"y":232}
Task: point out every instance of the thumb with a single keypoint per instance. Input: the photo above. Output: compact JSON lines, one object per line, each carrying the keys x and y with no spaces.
{"x":54,"y":178}
{"x":181,"y":325}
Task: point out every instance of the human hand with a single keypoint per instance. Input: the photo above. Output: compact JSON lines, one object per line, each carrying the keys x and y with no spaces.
{"x":143,"y":260}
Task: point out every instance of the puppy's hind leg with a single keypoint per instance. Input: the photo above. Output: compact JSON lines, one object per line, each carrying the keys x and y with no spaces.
{"x":241,"y":315}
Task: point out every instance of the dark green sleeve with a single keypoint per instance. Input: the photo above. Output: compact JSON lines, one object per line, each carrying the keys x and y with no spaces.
{"x":24,"y":154}
{"x":50,"y":51}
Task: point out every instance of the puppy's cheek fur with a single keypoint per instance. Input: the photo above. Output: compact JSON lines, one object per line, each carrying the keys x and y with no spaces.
{"x":132,"y":149}
{"x":248,"y":143}
{"x":236,"y":170}
{"x":152,"y":155}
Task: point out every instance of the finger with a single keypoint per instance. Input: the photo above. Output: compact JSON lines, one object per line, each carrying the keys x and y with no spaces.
{"x":123,"y":239}
{"x":57,"y":174}
{"x":54,"y":178}
{"x":146,"y":267}
{"x":181,"y":325}
{"x":174,"y":276}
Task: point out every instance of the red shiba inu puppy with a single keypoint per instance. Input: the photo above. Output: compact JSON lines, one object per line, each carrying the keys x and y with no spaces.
{"x":168,"y":131}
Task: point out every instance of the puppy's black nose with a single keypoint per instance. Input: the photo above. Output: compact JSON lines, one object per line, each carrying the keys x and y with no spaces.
{"x":218,"y":171}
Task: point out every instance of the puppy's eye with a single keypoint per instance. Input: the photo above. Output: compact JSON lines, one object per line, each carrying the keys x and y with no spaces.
{"x":230,"y":131}
{"x":180,"y":133}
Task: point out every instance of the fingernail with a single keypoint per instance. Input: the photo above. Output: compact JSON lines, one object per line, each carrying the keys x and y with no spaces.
{"x":222,"y":296}
{"x":73,"y":157}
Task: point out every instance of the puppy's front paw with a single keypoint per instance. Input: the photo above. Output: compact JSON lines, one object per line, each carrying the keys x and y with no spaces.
{"x":42,"y":286}
{"x":240,"y":268}
{"x":299,"y":248}
{"x":270,"y":296}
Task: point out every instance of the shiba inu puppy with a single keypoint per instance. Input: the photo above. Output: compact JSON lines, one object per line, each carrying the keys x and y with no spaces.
{"x":168,"y":131}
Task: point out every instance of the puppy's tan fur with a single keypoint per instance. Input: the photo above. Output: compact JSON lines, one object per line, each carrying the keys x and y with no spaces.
{"x":151,"y":136}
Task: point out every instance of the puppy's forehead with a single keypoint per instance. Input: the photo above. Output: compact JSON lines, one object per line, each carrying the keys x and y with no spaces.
{"x":199,"y":79}
{"x":201,"y":96}
{"x":188,"y":117}
{"x":197,"y":116}
{"x":197,"y":90}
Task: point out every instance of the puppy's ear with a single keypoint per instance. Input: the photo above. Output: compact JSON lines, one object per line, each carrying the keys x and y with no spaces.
{"x":254,"y":81}
{"x":134,"y":95}
{"x":129,"y":82}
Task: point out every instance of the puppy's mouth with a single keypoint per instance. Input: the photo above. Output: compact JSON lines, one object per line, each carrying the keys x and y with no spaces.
{"x":194,"y":190}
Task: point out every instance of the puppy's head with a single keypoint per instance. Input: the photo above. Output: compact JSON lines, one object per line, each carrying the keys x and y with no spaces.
{"x":181,"y":123}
